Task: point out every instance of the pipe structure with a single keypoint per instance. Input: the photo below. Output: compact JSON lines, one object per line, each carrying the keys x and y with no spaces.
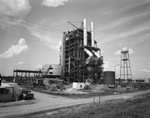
{"x":92,"y":34}
{"x":96,"y":54}
{"x":84,"y":32}
{"x":99,"y":52}
{"x":89,"y":54}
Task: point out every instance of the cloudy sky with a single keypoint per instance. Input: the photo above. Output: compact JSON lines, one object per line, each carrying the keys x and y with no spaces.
{"x":31,"y":31}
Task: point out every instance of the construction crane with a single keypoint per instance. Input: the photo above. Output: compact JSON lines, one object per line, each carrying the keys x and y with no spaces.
{"x":76,"y":26}
{"x":72,"y":24}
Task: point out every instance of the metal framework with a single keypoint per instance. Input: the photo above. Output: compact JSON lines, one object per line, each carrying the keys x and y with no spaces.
{"x":125,"y":66}
{"x":20,"y":75}
{"x":80,"y":62}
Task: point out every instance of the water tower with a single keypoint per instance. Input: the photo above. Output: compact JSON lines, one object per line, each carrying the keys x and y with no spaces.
{"x":125,"y":67}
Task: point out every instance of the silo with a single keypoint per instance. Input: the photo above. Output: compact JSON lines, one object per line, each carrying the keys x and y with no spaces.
{"x":109,"y":77}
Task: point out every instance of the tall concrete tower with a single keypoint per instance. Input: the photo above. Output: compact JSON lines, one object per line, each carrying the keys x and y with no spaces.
{"x":125,"y":67}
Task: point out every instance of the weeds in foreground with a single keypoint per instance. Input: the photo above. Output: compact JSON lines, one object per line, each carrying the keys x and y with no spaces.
{"x":133,"y":108}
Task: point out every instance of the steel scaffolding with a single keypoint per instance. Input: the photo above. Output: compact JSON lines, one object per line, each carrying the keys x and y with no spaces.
{"x":77,"y":65}
{"x":125,"y":67}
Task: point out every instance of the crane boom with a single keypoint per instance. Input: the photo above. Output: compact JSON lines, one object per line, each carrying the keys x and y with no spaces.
{"x":73,"y":25}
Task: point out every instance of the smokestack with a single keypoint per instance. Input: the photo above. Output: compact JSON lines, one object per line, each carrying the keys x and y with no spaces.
{"x":92,"y":34}
{"x":63,"y":54}
{"x":84,"y":32}
{"x":63,"y":48}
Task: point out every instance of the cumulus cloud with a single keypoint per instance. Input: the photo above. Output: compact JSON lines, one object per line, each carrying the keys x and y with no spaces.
{"x":20,"y":63}
{"x":54,"y":3}
{"x":124,"y":49}
{"x":13,"y":10}
{"x":15,"y":49}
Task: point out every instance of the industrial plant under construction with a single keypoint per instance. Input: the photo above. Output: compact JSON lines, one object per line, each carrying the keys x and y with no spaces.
{"x":81,"y":58}
{"x":80,"y":67}
{"x":80,"y":61}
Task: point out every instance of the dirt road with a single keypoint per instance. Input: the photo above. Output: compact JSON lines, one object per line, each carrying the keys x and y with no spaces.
{"x":50,"y":102}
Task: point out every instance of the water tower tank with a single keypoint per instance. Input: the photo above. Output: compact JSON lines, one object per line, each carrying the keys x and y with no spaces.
{"x":109,"y":77}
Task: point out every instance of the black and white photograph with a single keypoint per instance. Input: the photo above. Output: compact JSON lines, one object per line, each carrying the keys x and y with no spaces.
{"x":74,"y":58}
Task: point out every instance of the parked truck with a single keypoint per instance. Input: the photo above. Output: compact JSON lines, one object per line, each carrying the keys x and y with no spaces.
{"x":26,"y":94}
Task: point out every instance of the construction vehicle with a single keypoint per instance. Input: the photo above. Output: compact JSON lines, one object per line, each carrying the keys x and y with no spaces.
{"x":26,"y":94}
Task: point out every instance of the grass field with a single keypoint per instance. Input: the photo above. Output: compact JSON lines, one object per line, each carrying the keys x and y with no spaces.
{"x":132,"y":108}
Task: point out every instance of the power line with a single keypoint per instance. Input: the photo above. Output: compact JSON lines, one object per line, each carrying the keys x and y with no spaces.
{"x":139,"y":60}
{"x":10,"y":35}
{"x":45,"y":26}
{"x":100,"y":44}
{"x":52,"y":28}
{"x":106,"y":45}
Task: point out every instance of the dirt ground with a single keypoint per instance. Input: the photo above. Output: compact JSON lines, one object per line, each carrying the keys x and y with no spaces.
{"x":138,"y":107}
{"x":45,"y":102}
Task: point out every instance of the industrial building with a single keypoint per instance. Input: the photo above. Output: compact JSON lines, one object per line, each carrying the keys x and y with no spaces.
{"x":51,"y":71}
{"x":25,"y":76}
{"x":80,"y":57}
{"x":9,"y":92}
